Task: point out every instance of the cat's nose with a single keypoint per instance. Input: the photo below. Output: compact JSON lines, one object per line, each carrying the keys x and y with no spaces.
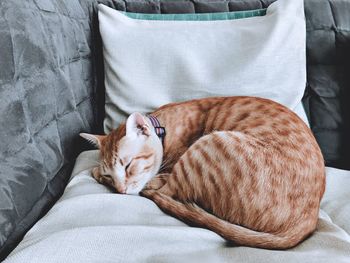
{"x":121,"y":190}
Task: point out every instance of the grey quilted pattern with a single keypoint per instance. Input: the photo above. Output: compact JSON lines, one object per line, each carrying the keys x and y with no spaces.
{"x":47,"y":91}
{"x":51,"y":88}
{"x":328,"y":91}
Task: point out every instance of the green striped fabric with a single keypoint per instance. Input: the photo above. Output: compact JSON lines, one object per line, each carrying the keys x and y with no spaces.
{"x":198,"y":16}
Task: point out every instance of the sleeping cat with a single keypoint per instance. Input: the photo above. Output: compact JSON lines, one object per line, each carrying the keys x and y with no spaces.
{"x":246,"y":168}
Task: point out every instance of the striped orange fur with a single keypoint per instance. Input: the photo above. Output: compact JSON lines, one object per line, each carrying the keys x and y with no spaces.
{"x":246,"y":168}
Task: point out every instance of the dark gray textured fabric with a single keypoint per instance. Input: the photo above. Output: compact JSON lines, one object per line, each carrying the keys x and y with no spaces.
{"x":51,"y":88}
{"x":328,"y":72}
{"x":47,"y":91}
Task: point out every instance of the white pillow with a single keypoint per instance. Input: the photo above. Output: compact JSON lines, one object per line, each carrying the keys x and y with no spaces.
{"x":149,"y":63}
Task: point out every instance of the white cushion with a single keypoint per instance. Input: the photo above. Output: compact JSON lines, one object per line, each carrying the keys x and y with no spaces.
{"x":91,"y":224}
{"x":149,"y":63}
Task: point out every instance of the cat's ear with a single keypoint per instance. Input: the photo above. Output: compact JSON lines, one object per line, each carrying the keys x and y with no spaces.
{"x":136,"y":125}
{"x":94,"y":139}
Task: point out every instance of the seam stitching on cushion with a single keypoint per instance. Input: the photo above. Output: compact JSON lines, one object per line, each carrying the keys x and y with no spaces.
{"x":12,"y":43}
{"x":336,"y":30}
{"x":318,"y":129}
{"x":72,"y":60}
{"x":333,"y":14}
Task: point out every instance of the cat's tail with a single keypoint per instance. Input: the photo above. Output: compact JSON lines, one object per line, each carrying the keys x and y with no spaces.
{"x":196,"y":216}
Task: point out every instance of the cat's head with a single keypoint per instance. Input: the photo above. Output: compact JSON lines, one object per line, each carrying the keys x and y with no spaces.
{"x":132,"y":160}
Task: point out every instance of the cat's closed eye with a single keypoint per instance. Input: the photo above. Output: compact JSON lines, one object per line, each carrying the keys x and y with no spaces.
{"x":107,"y":175}
{"x":127,"y":166}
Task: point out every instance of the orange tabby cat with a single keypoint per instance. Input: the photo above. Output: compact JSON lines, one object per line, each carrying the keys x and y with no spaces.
{"x":246,"y":168}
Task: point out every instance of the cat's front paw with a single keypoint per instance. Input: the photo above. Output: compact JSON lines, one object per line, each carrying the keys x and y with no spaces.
{"x":157,"y":182}
{"x":96,"y":174}
{"x":101,"y":178}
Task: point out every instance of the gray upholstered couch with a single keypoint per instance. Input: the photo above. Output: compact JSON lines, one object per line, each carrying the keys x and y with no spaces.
{"x":51,"y":88}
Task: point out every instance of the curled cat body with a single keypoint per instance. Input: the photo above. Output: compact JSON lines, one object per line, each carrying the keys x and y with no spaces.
{"x":246,"y":168}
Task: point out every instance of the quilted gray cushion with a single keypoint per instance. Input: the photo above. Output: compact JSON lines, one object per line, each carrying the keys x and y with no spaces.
{"x":51,"y":88}
{"x":328,"y":91}
{"x":47,"y":92}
